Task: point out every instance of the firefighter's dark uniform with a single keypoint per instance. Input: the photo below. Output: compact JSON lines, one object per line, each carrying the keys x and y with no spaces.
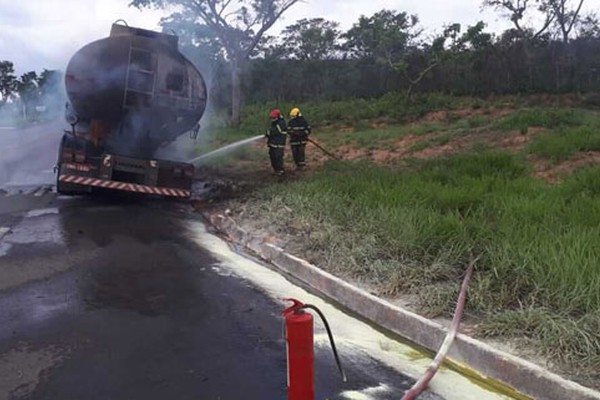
{"x":277,"y":135}
{"x":299,"y":129}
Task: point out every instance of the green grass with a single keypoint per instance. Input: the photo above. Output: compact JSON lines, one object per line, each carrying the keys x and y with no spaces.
{"x":567,"y":141}
{"x":413,"y":230}
{"x":435,"y":141}
{"x":550,"y":118}
{"x":393,"y":108}
{"x":361,"y":138}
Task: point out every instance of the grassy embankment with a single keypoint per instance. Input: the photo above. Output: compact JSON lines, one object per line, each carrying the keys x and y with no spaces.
{"x":409,"y":228}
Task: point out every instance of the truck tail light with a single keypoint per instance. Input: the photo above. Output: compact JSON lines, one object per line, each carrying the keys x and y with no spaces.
{"x":79,"y":156}
{"x":189,"y":172}
{"x":67,"y":154}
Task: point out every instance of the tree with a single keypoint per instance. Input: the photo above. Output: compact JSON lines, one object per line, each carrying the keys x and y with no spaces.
{"x":196,"y":40}
{"x":433,"y":55}
{"x":311,"y":39}
{"x":27,"y":89}
{"x":589,"y":27}
{"x":383,"y":37}
{"x":51,"y":91}
{"x":8,"y":81}
{"x":519,"y":11}
{"x":238,"y":26}
{"x":566,"y":17}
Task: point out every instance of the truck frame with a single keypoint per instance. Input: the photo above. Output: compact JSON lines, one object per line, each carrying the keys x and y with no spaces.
{"x":81,"y":168}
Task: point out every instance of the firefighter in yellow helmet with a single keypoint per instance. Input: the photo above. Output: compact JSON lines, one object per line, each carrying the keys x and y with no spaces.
{"x":298,"y":129}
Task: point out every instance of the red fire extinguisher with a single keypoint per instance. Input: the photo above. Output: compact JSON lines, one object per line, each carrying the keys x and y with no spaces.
{"x":299,"y":335}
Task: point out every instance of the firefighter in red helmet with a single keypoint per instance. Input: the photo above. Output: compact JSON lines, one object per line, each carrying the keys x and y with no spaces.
{"x":276,"y":139}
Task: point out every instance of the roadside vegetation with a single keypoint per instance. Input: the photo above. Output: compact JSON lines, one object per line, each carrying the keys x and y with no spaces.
{"x":404,"y":225}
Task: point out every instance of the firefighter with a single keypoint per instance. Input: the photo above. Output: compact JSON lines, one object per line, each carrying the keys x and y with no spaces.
{"x":299,"y":130}
{"x":276,"y":138}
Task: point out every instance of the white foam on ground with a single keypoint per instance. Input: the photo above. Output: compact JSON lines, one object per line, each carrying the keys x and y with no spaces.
{"x":4,"y":249}
{"x":41,"y":212}
{"x":368,"y":393}
{"x":354,"y":338}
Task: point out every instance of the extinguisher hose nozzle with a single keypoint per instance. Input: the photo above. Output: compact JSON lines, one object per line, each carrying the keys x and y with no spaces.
{"x":328,"y":329}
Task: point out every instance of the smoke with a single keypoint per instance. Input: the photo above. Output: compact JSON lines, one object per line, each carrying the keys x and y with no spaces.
{"x":214,"y":118}
{"x":30,"y":132}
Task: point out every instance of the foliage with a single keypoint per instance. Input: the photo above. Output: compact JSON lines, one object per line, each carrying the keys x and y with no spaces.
{"x":521,"y":11}
{"x":8,"y":81}
{"x":386,"y":52}
{"x":384,"y":37}
{"x":310,"y":39}
{"x":28,"y":91}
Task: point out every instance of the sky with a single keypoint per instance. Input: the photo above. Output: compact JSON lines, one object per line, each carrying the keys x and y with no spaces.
{"x":38,"y":34}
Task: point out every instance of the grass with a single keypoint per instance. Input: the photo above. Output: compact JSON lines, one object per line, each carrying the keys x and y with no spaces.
{"x":391,"y":108}
{"x":550,"y":118}
{"x":412,"y":231}
{"x":566,"y":142}
{"x":435,"y":141}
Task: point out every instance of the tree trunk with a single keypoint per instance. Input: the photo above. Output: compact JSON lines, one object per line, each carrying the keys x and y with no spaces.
{"x":236,"y":94}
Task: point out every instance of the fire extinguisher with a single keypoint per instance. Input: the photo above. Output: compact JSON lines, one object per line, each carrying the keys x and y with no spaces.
{"x":299,"y":336}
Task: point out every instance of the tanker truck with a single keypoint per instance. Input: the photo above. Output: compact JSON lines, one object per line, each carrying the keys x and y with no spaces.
{"x":128,"y":95}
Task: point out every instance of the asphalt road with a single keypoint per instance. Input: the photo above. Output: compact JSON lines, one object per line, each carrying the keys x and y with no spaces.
{"x":112,"y":299}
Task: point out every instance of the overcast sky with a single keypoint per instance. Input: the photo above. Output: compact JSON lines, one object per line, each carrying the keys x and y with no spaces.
{"x":37,"y":34}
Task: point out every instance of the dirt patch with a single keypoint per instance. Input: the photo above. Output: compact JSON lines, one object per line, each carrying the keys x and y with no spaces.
{"x":346,"y":129}
{"x":436,"y":151}
{"x":517,"y":141}
{"x":379,"y":125}
{"x":382,"y":156}
{"x":555,"y":173}
{"x":448,"y":116}
{"x":404,"y":145}
{"x":436,"y":116}
{"x":349,"y":152}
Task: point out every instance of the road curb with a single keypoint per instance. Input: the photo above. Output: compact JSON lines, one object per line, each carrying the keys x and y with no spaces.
{"x":519,"y":374}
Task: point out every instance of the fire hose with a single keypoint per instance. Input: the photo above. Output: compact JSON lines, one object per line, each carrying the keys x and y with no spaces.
{"x":324,"y":150}
{"x":423,"y":382}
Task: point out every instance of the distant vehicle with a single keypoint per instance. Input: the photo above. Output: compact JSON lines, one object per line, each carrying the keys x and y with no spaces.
{"x":129,"y":94}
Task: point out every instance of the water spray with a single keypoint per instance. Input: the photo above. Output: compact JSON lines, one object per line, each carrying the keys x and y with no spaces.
{"x":225,"y":149}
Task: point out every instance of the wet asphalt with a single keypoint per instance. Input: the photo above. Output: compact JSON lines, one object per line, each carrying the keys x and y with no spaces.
{"x":108,"y":298}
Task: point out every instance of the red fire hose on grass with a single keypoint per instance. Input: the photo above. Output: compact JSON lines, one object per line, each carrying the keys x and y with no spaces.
{"x":423,"y":382}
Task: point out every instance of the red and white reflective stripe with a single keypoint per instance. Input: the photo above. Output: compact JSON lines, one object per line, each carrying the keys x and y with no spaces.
{"x":130,"y":187}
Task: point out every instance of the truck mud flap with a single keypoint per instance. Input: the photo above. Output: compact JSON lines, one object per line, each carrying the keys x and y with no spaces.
{"x":129,"y":187}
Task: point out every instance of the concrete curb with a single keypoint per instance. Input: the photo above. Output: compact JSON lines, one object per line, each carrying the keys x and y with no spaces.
{"x":522,"y":375}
